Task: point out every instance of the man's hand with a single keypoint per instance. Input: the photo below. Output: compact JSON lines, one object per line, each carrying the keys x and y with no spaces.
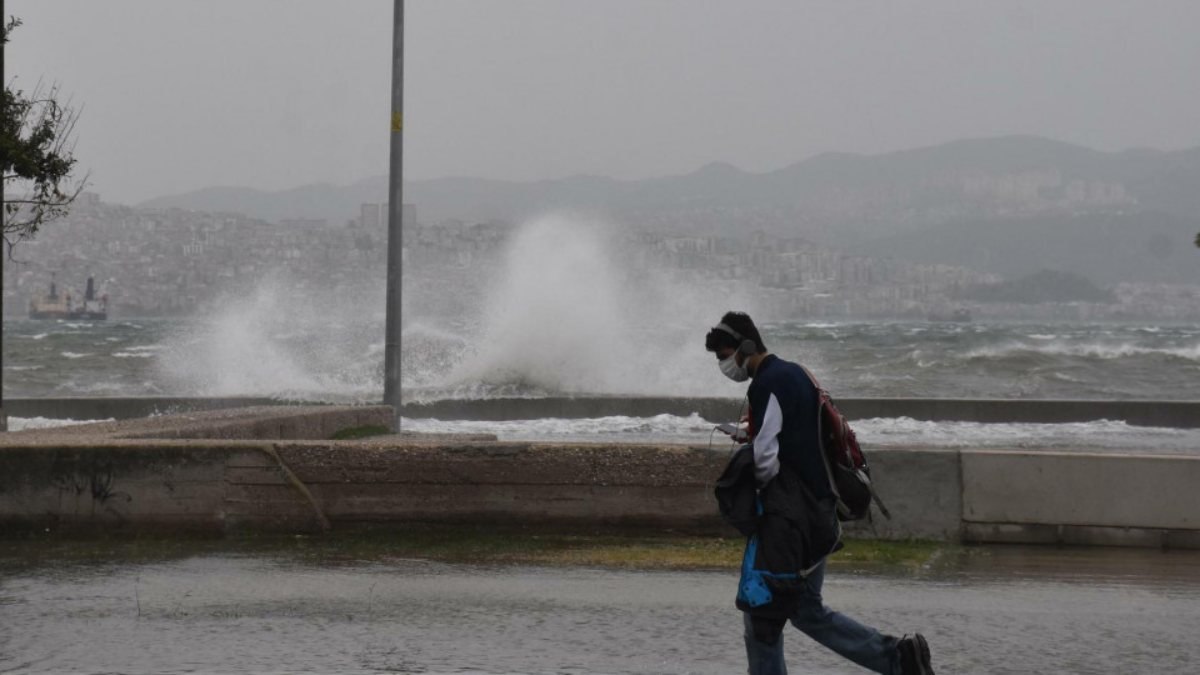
{"x":735,"y":431}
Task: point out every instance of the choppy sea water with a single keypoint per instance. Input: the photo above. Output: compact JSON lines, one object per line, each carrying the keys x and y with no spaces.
{"x":253,"y":355}
{"x":247,"y":354}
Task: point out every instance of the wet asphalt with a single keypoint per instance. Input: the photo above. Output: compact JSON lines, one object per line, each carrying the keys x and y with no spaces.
{"x":991,"y":610}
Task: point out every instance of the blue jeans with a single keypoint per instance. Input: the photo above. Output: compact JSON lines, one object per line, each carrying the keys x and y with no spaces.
{"x":861,"y":644}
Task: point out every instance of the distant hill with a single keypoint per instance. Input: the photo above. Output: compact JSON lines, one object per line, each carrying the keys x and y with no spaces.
{"x":477,"y":199}
{"x":1043,"y":286}
{"x":1011,"y":205}
{"x":333,"y":202}
{"x":999,"y":173}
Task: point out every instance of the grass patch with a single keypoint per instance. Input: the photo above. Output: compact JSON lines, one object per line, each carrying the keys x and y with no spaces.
{"x":911,"y":554}
{"x":452,"y":544}
{"x":582,"y":550}
{"x":353,"y":433}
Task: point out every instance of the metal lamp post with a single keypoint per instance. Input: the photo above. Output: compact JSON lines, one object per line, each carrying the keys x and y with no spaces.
{"x":395,"y":240}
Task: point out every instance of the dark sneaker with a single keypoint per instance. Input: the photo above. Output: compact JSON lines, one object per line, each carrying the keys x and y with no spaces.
{"x":914,"y":655}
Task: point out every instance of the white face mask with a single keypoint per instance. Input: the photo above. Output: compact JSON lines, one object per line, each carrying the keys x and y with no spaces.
{"x":731,"y":369}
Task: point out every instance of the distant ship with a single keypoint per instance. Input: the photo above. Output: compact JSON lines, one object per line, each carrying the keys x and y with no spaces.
{"x":93,"y":308}
{"x":52,"y":305}
{"x":55,"y":305}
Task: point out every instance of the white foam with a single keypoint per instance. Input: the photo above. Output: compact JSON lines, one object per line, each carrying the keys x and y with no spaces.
{"x":87,"y":387}
{"x":1099,"y":434}
{"x":75,"y":355}
{"x":24,"y":423}
{"x":875,"y":432}
{"x":145,"y":348}
{"x":1103,"y":351}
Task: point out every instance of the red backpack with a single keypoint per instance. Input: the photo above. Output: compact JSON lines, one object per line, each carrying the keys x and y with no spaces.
{"x":849,"y":475}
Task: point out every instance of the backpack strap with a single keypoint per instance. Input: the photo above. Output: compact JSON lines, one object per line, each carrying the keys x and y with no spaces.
{"x":822,"y":397}
{"x":812,"y":378}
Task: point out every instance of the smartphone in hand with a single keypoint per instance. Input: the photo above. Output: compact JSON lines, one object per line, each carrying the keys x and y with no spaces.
{"x":733,"y":431}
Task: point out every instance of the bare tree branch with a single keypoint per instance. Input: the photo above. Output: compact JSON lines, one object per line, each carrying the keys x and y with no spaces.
{"x":37,"y":143}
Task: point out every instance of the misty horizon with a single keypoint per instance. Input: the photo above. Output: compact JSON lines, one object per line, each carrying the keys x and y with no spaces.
{"x":717,"y":163}
{"x":999,"y":140}
{"x":278,"y":94}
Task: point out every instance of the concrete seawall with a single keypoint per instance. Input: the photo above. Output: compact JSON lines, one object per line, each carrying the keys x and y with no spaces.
{"x":1034,"y":497}
{"x":1180,"y":414}
{"x":1011,"y":496}
{"x":299,"y":486}
{"x":199,"y":472}
{"x":122,"y":408}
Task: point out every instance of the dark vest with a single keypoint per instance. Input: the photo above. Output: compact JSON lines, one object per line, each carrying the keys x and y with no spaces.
{"x":799,"y":445}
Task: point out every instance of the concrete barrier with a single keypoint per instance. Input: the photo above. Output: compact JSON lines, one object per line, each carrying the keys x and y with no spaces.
{"x":112,"y":487}
{"x":121,"y":408}
{"x":178,"y":473}
{"x":923,"y":491}
{"x":1181,"y":414}
{"x":526,"y":484}
{"x":1081,"y":498}
{"x":222,"y":485}
{"x":253,"y":423}
{"x":122,"y":474}
{"x":219,"y":485}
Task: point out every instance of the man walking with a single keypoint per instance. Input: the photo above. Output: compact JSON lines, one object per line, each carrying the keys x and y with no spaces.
{"x":797,"y":523}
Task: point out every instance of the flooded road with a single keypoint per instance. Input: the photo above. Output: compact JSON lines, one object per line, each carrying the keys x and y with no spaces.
{"x":994,"y":610}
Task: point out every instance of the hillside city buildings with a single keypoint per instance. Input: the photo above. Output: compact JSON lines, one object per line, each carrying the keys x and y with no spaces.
{"x":169,"y":262}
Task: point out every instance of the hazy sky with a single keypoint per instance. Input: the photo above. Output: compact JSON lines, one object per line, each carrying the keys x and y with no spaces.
{"x":276,"y":93}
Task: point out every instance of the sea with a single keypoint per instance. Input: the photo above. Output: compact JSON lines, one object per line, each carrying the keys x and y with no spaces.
{"x":339,"y":359}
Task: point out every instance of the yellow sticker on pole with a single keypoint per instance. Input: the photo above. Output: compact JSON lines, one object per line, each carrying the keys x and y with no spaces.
{"x":397,"y":121}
